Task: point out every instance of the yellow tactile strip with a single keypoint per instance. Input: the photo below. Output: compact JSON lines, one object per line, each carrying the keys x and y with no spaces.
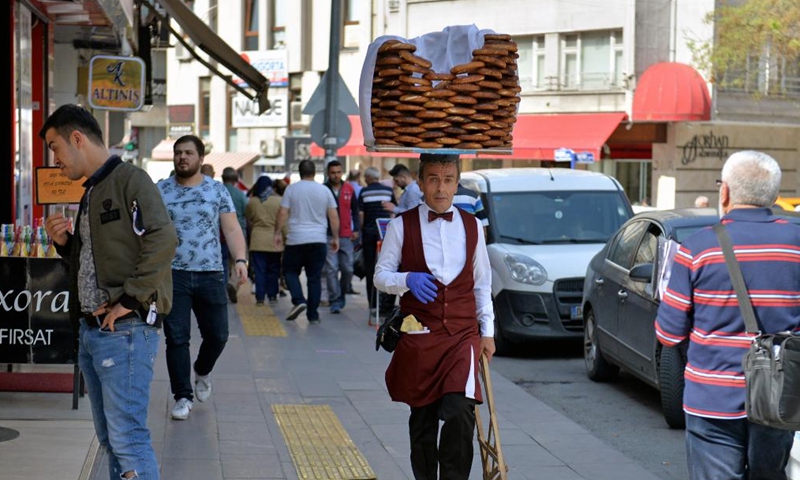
{"x":258,"y":321}
{"x":320,"y":447}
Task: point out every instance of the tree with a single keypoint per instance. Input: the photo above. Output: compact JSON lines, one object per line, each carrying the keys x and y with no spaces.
{"x":756,"y":46}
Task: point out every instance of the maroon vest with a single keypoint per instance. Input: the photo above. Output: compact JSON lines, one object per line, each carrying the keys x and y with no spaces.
{"x":454,"y":307}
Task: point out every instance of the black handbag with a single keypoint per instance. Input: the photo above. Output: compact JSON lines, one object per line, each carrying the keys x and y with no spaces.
{"x":772,"y":363}
{"x":359,"y":269}
{"x":389,"y":333}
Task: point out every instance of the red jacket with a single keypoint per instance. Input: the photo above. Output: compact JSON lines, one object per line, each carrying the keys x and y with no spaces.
{"x":347,"y":206}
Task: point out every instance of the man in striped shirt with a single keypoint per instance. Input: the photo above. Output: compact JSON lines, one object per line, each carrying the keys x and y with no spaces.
{"x":470,"y":201}
{"x":700,"y":304}
{"x":370,"y":203}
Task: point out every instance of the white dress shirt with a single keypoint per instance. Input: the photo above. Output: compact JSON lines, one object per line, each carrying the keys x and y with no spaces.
{"x":444,"y":246}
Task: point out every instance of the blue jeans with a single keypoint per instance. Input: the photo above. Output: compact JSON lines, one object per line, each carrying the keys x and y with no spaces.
{"x":735,"y":450}
{"x":335,"y":262}
{"x":267,"y":268}
{"x":118,"y":367}
{"x":204,"y":294}
{"x":310,"y":256}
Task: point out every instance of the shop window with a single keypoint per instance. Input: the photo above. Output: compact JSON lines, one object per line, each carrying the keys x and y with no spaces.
{"x":531,"y":63}
{"x":204,"y":117}
{"x":592,"y":60}
{"x":251,"y":25}
{"x":278,"y":24}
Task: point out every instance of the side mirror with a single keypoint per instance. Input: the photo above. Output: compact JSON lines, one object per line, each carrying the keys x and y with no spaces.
{"x":642,"y":273}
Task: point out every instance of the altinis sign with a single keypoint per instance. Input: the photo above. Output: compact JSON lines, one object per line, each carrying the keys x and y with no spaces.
{"x":116,"y":83}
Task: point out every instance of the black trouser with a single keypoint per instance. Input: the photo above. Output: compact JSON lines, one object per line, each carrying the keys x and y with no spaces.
{"x":453,"y":457}
{"x":370,"y":245}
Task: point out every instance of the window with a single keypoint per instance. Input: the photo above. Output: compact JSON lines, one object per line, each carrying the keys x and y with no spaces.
{"x":648,"y":247}
{"x":765,"y":73}
{"x":569,"y":61}
{"x":204,"y":116}
{"x":625,"y":243}
{"x":212,"y":15}
{"x":350,"y":13}
{"x":351,"y":32}
{"x":278,"y":25}
{"x":532,"y":62}
{"x":251,"y":26}
{"x":592,"y":60}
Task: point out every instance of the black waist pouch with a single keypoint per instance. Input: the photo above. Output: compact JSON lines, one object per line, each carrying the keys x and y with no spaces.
{"x":389,"y":332}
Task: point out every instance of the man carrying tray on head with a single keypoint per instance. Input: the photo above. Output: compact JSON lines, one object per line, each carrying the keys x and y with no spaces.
{"x":435,"y":257}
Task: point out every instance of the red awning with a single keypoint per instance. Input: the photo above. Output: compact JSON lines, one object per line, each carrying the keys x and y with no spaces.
{"x":355,"y":146}
{"x":671,"y":92}
{"x":536,"y":137}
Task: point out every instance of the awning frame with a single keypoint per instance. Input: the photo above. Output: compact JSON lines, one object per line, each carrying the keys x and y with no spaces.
{"x":216,"y":48}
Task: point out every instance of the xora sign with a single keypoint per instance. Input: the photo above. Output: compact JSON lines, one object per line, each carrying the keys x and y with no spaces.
{"x":116,"y":83}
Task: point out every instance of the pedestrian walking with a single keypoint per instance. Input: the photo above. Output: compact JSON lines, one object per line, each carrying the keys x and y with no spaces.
{"x":701,"y":202}
{"x":230,"y":179}
{"x":262,"y":215}
{"x":700,"y":307}
{"x":306,"y":209}
{"x":120,"y":284}
{"x":200,"y":208}
{"x":338,"y":270}
{"x":411,"y":197}
{"x":434,"y":256}
{"x":206,"y":169}
{"x":371,"y":204}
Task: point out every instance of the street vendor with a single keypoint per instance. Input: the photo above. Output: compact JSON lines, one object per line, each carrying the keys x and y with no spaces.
{"x":434,"y":256}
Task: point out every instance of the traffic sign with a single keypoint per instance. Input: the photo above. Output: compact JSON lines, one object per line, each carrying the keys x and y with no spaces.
{"x":343,"y":129}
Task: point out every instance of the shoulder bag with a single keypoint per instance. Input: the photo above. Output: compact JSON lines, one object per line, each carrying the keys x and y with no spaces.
{"x":772,"y":363}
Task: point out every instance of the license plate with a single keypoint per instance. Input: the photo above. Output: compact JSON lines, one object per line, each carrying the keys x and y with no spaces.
{"x":576,"y":312}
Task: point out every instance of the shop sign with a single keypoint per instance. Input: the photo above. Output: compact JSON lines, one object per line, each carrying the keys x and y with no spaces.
{"x":705,"y":146}
{"x":297,"y":149}
{"x":177,"y":130}
{"x":272,"y":64}
{"x":53,"y":187}
{"x":116,"y":83}
{"x":245,"y":111}
{"x":34,"y":311}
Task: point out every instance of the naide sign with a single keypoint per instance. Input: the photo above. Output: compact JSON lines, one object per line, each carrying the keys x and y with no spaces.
{"x":34,"y":312}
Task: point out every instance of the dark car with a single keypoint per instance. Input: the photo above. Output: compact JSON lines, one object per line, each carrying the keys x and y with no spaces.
{"x":620,"y":300}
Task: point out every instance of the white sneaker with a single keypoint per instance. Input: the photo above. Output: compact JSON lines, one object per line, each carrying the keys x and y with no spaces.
{"x":202,"y":387}
{"x":181,"y":409}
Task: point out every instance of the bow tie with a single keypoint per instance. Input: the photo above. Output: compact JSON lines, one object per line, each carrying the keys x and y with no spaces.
{"x":447,"y":216}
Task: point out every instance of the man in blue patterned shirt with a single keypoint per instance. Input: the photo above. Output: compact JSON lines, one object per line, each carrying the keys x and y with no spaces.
{"x":198,"y":206}
{"x":700,"y":305}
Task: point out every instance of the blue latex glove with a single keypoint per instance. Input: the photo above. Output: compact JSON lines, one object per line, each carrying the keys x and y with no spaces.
{"x":422,"y":286}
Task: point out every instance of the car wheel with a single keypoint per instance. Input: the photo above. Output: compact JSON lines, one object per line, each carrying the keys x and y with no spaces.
{"x":670,"y":379}
{"x":503,"y":346}
{"x":597,"y":367}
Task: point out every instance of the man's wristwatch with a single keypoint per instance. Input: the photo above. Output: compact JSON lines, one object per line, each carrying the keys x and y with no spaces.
{"x":241,"y":260}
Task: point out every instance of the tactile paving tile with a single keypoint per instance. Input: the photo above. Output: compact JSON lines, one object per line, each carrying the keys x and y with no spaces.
{"x":319,"y":445}
{"x":260,"y":321}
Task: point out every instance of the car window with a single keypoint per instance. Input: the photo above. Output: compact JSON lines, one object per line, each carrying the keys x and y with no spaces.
{"x":625,"y":243}
{"x":552,"y":217}
{"x":648,"y":247}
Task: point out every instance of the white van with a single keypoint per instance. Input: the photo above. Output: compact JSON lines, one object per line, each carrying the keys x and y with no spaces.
{"x":544,"y":227}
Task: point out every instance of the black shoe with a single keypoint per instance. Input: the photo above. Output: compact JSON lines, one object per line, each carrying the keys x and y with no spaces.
{"x":232,"y":293}
{"x":353,"y":292}
{"x":295,"y":311}
{"x":273,"y":300}
{"x":281,"y":293}
{"x":314,"y":321}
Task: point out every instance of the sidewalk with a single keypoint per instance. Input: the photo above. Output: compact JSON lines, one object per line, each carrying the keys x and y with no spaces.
{"x":236,"y":434}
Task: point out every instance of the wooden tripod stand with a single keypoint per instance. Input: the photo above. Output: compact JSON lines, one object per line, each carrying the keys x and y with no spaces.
{"x":494,"y":465}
